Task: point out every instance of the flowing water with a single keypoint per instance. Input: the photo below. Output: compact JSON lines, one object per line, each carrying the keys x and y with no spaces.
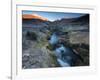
{"x":66,"y":56}
{"x":59,"y":51}
{"x":54,"y":39}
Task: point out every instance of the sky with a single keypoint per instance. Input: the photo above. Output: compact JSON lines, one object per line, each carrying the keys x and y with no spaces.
{"x":52,"y":16}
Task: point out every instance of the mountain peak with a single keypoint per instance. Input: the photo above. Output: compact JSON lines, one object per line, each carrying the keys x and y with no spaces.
{"x":33,"y":16}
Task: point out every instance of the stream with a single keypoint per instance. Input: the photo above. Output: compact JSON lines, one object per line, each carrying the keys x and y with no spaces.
{"x":65,"y":55}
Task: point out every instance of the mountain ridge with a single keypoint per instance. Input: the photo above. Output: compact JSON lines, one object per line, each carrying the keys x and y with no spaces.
{"x":33,"y":16}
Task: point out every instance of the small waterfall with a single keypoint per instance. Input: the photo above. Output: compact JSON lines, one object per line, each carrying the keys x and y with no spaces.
{"x":54,"y":39}
{"x":62,"y":63}
{"x":60,"y":50}
{"x":62,"y":57}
